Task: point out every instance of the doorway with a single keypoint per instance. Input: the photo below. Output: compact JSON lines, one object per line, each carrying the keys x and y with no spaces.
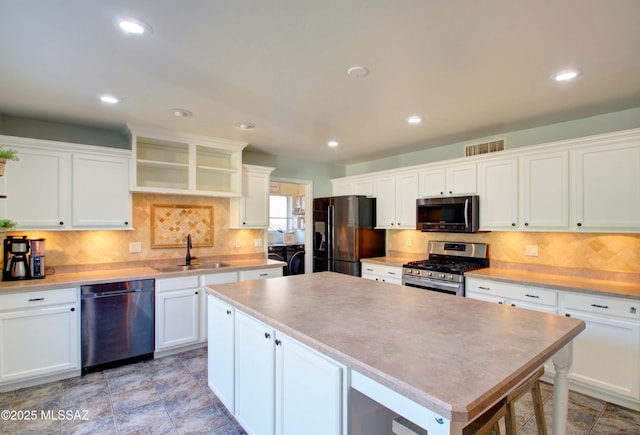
{"x":290,"y":217}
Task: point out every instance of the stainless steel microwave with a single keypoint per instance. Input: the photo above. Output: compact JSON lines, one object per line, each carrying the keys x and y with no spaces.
{"x":452,"y":214}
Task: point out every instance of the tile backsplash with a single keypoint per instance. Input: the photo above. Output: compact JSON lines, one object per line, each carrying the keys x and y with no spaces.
{"x":606,"y":252}
{"x":67,"y":248}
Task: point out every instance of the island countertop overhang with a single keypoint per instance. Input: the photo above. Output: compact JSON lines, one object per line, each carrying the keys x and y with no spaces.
{"x":454,"y":356}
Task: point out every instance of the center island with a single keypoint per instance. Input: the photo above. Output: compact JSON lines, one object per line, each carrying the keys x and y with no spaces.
{"x":386,"y":350}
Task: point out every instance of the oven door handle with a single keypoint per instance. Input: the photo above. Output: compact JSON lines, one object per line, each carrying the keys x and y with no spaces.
{"x":426,"y":283}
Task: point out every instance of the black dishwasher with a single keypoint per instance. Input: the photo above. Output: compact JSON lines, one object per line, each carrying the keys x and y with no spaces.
{"x":118,"y":323}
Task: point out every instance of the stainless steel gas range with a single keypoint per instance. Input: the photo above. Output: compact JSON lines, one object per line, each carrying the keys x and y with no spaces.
{"x":444,"y":270}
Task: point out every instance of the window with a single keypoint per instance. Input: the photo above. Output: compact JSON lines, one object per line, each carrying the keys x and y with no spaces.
{"x":280,"y":213}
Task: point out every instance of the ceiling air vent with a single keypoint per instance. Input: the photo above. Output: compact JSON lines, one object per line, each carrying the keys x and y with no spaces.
{"x":484,"y":148}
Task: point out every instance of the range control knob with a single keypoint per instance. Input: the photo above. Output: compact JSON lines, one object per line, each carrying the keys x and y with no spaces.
{"x":429,"y":273}
{"x":451,"y":277}
{"x":442,"y":275}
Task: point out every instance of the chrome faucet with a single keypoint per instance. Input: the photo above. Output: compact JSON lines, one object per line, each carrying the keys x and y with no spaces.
{"x":187,"y":259}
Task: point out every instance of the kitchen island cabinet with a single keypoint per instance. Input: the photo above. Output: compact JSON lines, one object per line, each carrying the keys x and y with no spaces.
{"x":396,"y":342}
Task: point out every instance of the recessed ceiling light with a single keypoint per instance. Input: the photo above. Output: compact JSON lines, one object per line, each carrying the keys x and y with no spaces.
{"x":414,"y":120}
{"x":357,"y":71}
{"x":180,"y":113}
{"x":332,"y":143}
{"x":566,"y":75}
{"x":247,"y":126}
{"x":133,"y":26}
{"x":109,"y":99}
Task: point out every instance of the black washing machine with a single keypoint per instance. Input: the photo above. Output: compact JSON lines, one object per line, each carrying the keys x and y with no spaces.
{"x":295,"y":259}
{"x":278,"y":252}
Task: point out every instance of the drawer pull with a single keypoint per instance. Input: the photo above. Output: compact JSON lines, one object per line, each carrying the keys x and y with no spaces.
{"x":36,"y":299}
{"x":532,"y":296}
{"x":391,"y":273}
{"x":264,"y":274}
{"x":599,"y":306}
{"x":484,"y":288}
{"x":368,"y":270}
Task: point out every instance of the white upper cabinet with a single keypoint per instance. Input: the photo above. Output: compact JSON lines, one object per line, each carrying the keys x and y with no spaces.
{"x":544,"y":191}
{"x":448,"y":180}
{"x":396,"y":200}
{"x":170,"y":162}
{"x":252,"y":209}
{"x":37,"y":202}
{"x":353,"y":186}
{"x":498,"y":190}
{"x":606,"y":186}
{"x":101,"y":196}
{"x":60,"y":186}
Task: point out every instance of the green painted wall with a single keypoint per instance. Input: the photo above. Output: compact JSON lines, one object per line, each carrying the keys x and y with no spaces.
{"x":610,"y":122}
{"x":61,"y":132}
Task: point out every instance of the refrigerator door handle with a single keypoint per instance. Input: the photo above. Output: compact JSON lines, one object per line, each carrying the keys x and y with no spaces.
{"x":330,"y":238}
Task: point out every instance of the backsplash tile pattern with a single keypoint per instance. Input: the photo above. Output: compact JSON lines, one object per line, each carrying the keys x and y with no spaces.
{"x":67,"y":248}
{"x":605,"y":252}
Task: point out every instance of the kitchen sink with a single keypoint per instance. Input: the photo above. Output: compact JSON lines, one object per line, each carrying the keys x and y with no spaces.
{"x":184,"y":267}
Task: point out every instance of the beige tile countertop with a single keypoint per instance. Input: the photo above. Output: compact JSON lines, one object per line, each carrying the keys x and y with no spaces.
{"x":91,"y":275}
{"x":454,"y":356}
{"x":601,"y":287}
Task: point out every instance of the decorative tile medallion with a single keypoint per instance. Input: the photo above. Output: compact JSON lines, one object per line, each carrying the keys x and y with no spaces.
{"x":172,"y":223}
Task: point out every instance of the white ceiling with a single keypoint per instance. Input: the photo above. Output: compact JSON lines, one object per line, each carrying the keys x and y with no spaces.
{"x":471,"y":68}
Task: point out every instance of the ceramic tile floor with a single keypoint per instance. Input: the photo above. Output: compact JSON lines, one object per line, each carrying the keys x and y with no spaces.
{"x":170,"y":395}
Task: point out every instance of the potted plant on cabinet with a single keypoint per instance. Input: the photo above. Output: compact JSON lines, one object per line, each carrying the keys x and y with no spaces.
{"x":6,"y":225}
{"x":6,"y":155}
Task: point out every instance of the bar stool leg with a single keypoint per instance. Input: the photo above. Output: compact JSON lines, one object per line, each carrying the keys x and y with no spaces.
{"x":539,"y":409}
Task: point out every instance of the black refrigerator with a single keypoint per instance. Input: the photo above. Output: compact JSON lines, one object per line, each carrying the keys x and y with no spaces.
{"x":344,"y":232}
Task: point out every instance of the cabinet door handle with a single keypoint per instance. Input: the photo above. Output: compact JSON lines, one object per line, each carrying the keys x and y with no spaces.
{"x":61,"y":223}
{"x":73,"y":309}
{"x":526,"y":224}
{"x":267,"y":335}
{"x":126,"y":222}
{"x":278,"y":342}
{"x":567,"y":315}
{"x":513,"y":224}
{"x":532,"y":296}
{"x":579,"y":224}
{"x":36,"y":299}
{"x":196,"y":292}
{"x":228,"y":312}
{"x":600,"y":306}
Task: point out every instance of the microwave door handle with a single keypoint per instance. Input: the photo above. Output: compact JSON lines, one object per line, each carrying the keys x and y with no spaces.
{"x":466,"y":213}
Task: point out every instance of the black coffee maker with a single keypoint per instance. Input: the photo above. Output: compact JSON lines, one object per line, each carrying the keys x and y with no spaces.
{"x":16,"y":263}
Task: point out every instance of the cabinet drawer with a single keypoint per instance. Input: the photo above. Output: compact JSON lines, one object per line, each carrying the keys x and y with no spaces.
{"x":176,"y":283}
{"x":249,"y":275}
{"x":599,"y":304}
{"x":494,"y":288}
{"x":384,"y":271}
{"x":38,"y":299}
{"x":535,"y":295}
{"x":220,"y":278}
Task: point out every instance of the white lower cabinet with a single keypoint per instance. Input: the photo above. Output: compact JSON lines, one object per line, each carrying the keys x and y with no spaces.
{"x":308,"y":390}
{"x":39,"y":335}
{"x":280,"y":385}
{"x":606,"y":355}
{"x":255,"y":375}
{"x":177,"y":312}
{"x":220,"y":355}
{"x":379,"y":272}
{"x":205,"y":280}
